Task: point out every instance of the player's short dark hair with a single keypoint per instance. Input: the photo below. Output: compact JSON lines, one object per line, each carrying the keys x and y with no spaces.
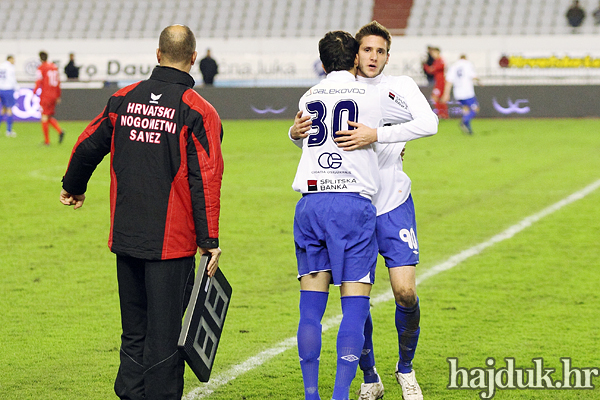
{"x":43,"y":56}
{"x":337,"y":50}
{"x":177,"y":43}
{"x":374,"y":28}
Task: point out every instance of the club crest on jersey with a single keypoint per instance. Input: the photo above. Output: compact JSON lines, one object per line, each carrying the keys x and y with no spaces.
{"x":398,"y":99}
{"x":154,"y":98}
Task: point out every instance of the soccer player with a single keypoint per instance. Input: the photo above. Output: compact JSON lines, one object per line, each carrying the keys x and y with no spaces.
{"x":48,"y":80}
{"x":437,"y":70}
{"x":410,"y":117}
{"x":460,"y":79}
{"x":8,"y":85}
{"x":334,"y":223}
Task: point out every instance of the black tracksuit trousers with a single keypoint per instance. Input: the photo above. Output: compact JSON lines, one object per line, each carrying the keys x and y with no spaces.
{"x":153,"y":297}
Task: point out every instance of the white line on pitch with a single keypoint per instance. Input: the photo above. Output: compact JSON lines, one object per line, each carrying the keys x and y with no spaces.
{"x":259,"y":359}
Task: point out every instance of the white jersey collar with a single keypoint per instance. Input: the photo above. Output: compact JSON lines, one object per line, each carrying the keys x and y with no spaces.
{"x":340,"y":76}
{"x":370,"y":81}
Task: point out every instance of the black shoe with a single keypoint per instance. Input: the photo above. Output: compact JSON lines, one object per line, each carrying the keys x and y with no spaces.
{"x":465,"y":128}
{"x":61,"y":136}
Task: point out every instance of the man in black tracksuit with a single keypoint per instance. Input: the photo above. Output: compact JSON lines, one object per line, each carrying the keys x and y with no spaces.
{"x":166,"y":171}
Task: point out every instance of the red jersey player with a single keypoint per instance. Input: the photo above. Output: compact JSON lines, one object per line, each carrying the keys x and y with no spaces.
{"x":437,"y":70}
{"x":48,"y":80}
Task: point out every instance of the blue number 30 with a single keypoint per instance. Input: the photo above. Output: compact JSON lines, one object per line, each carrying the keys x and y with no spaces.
{"x":343,"y":111}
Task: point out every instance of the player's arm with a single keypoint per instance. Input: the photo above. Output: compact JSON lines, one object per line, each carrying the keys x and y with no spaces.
{"x":447,"y":90}
{"x":38,"y":81}
{"x":299,"y":131}
{"x":356,"y":138}
{"x":423,"y":124}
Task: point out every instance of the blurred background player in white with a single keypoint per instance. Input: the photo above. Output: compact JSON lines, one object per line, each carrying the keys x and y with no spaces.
{"x":408,"y":115}
{"x":334,"y":222}
{"x":460,"y":79}
{"x":8,"y":85}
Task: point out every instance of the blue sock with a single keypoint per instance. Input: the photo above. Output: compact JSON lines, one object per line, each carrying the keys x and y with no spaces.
{"x":407,"y":324}
{"x":467,"y":118}
{"x":9,"y":122}
{"x":312,"y":308}
{"x":350,"y":341}
{"x":367,"y":358}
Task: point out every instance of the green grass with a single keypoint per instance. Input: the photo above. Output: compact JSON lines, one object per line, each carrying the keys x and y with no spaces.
{"x":534,"y":295}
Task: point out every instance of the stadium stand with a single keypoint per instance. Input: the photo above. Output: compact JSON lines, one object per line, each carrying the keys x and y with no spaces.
{"x":82,"y":19}
{"x":494,"y":17}
{"x":75,"y":19}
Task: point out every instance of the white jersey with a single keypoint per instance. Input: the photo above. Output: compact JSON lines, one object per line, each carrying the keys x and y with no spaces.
{"x":409,"y":116}
{"x":461,"y":75}
{"x":324,"y":167}
{"x":8,"y":78}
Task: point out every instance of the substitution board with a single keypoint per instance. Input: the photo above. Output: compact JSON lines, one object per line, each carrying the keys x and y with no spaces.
{"x":204,"y":319}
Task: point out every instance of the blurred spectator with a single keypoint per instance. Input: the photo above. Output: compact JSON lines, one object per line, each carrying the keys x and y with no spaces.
{"x":575,"y":14}
{"x":208,"y":68}
{"x":428,"y":61}
{"x":596,"y":15}
{"x":71,"y":70}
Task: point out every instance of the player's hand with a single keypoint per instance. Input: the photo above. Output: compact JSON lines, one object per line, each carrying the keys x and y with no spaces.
{"x":402,"y":153}
{"x":301,"y":126}
{"x":68,"y":199}
{"x":213,"y":264}
{"x":445,"y":98}
{"x":58,"y":101}
{"x":355,"y":139}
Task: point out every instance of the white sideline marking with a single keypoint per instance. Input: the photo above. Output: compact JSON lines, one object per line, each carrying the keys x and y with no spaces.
{"x":253,"y":362}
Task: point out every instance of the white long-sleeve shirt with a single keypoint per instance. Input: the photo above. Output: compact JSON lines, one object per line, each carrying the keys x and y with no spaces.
{"x":404,"y":106}
{"x":8,"y":78}
{"x":323,"y":166}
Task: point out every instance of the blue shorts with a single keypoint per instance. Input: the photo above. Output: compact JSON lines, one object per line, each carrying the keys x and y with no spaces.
{"x":336,"y":232}
{"x":397,"y":235}
{"x":7,"y":98}
{"x":471,"y":103}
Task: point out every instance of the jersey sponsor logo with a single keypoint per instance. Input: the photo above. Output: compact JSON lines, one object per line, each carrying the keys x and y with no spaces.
{"x":398,"y":100}
{"x":336,"y":91}
{"x":513,"y":107}
{"x":312,"y":185}
{"x":154,"y":98}
{"x":328,"y":185}
{"x":330,"y":160}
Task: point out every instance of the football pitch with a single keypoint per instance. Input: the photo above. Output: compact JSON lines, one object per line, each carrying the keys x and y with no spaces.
{"x":508,"y":228}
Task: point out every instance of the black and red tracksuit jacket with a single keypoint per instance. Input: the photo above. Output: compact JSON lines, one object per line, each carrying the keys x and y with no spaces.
{"x":166,"y":167}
